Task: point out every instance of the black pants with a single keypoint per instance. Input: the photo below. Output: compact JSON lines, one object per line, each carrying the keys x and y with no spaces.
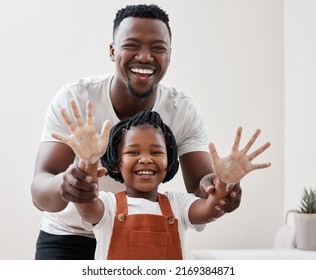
{"x":64,"y":247}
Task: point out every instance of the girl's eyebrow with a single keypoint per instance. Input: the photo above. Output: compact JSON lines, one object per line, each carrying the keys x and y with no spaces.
{"x":138,"y":145}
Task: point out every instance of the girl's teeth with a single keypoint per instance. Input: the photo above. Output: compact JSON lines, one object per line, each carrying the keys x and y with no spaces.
{"x":145,"y":173}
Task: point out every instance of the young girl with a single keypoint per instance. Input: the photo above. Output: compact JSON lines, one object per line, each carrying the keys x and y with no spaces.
{"x":141,"y":223}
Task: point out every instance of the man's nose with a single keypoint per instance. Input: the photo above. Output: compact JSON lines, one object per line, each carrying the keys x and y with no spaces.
{"x":144,"y":55}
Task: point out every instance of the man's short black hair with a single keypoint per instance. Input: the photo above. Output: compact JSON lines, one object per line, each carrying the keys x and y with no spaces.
{"x":151,"y":11}
{"x":111,"y":160}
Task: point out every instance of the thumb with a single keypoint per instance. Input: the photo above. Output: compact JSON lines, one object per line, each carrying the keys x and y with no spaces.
{"x":209,"y":190}
{"x":207,"y":181}
{"x":102,"y":171}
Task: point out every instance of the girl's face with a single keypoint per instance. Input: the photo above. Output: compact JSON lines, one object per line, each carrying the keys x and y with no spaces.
{"x":143,"y":161}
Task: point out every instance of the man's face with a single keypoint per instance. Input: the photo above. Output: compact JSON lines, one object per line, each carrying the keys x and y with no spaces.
{"x":141,"y":51}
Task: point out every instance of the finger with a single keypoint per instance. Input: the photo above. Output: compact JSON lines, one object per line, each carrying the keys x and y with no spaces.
{"x":251,"y":141}
{"x":102,"y":171}
{"x":236,"y":190}
{"x":86,"y":195}
{"x":208,"y":180}
{"x":214,"y":155}
{"x":62,"y":138}
{"x":203,"y":192}
{"x":75,"y":112}
{"x":209,"y":190}
{"x":259,"y":151}
{"x":237,"y":139}
{"x":75,"y":184}
{"x":78,"y":188}
{"x":105,"y":132}
{"x":82,"y":198}
{"x":90,"y":114}
{"x":229,"y":204}
{"x":229,"y":187}
{"x":78,"y":178}
{"x":67,"y":120}
{"x":232,"y":201}
{"x":261,"y":165}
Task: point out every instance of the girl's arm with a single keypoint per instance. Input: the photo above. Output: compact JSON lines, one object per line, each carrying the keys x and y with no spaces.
{"x":91,"y":212}
{"x":89,"y":146}
{"x":204,"y":210}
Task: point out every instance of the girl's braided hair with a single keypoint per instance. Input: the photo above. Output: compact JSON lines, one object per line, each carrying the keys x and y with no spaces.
{"x":111,"y":161}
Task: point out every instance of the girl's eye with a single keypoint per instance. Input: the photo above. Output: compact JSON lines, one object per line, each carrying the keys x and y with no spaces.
{"x":133,"y":153}
{"x":157,"y":153}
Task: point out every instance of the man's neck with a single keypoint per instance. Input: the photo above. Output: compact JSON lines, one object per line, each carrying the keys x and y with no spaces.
{"x":125,"y":104}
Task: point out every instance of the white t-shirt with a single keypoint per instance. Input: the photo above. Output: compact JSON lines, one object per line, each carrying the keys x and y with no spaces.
{"x":176,"y":109}
{"x":180,"y":204}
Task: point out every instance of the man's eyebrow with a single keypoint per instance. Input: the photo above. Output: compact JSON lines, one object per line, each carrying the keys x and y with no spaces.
{"x":156,"y":41}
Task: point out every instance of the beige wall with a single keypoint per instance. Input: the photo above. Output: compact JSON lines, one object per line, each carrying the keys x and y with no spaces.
{"x":227,"y":54}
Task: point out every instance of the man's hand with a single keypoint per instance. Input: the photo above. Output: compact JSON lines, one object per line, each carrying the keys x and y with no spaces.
{"x":226,"y":204}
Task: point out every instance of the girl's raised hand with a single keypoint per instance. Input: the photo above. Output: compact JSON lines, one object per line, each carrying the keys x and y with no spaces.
{"x":237,"y":164}
{"x":85,"y":141}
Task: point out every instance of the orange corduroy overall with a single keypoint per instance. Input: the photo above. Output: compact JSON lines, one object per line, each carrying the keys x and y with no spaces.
{"x":144,"y":236}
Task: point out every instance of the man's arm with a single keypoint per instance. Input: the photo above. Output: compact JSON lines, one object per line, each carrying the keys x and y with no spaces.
{"x":57,"y":180}
{"x":52,"y":160}
{"x":195,"y":166}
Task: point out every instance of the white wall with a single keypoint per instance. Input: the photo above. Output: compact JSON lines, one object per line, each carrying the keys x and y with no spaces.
{"x":300,"y":99}
{"x":227,"y":54}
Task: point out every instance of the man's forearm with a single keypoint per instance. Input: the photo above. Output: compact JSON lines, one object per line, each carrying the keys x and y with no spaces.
{"x":46,"y":192}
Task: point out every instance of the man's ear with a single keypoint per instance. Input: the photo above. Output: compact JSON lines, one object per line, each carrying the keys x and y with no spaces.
{"x":112,"y":51}
{"x":169,"y":56}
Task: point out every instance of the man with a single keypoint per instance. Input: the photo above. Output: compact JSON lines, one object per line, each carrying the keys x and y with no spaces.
{"x":141,"y":51}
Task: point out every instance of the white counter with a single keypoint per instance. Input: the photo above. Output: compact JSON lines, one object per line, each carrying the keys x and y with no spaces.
{"x":257,"y":254}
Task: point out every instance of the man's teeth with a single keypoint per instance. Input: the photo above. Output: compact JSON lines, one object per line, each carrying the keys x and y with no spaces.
{"x":145,"y":173}
{"x":142,"y":71}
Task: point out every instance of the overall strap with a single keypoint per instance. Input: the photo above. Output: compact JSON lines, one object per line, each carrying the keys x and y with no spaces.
{"x":165,"y":207}
{"x":121,"y":203}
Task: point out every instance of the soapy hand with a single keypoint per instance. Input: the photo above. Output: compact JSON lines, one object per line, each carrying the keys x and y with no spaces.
{"x":237,"y":164}
{"x":85,"y":141}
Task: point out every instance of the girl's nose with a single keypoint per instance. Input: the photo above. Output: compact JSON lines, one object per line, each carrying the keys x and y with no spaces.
{"x":145,"y":160}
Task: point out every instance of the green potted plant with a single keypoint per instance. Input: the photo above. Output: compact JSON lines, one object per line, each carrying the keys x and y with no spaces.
{"x":305,"y":221}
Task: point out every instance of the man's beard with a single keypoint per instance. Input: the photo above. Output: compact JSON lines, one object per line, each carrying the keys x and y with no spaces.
{"x":137,"y":94}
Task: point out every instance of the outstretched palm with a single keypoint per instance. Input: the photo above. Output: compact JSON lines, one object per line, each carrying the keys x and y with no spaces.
{"x":85,"y":141}
{"x":237,"y":164}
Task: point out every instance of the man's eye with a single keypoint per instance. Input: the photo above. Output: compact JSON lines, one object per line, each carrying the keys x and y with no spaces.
{"x":159,"y":48}
{"x":130,"y":46}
